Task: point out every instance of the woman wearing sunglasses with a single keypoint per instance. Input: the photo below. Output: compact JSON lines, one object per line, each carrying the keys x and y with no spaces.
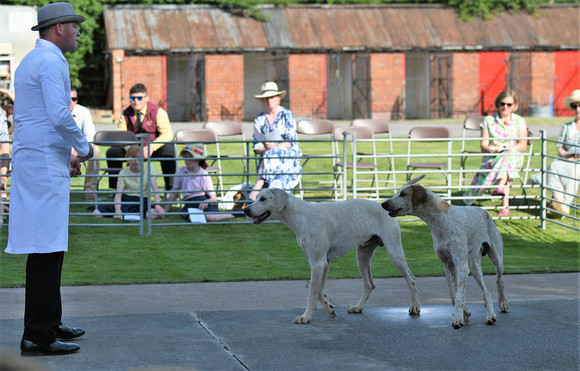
{"x":564,"y":173}
{"x":504,"y":136}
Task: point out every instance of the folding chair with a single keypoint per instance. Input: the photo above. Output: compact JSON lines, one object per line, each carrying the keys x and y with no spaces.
{"x":526,"y":167}
{"x":379,"y":127}
{"x":363,"y":134}
{"x":111,"y":138}
{"x":432,"y":134}
{"x":472,"y":123}
{"x":202,"y":136}
{"x":230,"y":129}
{"x":319,"y":128}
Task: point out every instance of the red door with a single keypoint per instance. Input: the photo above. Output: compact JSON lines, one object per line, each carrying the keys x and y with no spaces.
{"x":492,"y":78}
{"x":567,"y":76}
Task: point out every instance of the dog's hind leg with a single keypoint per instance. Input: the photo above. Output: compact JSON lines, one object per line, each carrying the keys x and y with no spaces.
{"x":317,"y":269}
{"x":495,"y":254}
{"x":364,"y":256}
{"x":478,"y":275}
{"x":322,"y":297}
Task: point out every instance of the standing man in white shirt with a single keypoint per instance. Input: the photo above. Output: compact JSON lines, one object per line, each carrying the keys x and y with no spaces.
{"x":42,"y":166}
{"x":84,"y":121}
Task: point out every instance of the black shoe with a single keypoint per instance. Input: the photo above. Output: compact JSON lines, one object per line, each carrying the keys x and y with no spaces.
{"x":28,"y":348}
{"x":67,"y":333}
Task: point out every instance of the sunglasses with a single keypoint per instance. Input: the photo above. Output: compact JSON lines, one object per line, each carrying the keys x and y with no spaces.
{"x":74,"y":99}
{"x":574,"y":105}
{"x":132,"y":99}
{"x":501,"y":104}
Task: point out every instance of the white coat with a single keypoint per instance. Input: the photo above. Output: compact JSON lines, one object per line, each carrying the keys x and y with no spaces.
{"x":44,"y":133}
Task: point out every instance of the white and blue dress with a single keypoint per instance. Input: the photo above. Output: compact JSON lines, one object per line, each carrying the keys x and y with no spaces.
{"x":281,"y":166}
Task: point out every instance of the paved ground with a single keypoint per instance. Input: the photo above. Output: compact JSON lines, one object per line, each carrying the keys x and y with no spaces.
{"x":249,"y":326}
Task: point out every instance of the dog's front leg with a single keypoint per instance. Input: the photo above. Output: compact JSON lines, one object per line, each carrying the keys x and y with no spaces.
{"x":461,"y":314}
{"x":316,"y":281}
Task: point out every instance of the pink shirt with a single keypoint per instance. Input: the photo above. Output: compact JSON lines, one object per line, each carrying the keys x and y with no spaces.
{"x":193,"y":185}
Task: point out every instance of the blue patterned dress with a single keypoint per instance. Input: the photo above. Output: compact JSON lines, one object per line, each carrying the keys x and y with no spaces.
{"x":282,"y":167}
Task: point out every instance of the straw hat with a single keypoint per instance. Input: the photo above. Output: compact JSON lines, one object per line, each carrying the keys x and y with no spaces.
{"x":573,"y":98}
{"x":196,"y":151}
{"x":270,"y":89}
{"x":55,"y":13}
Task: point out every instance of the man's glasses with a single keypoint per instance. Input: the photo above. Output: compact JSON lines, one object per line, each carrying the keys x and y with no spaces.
{"x":505,"y":104}
{"x":74,"y":99}
{"x":574,"y":105}
{"x":132,"y":99}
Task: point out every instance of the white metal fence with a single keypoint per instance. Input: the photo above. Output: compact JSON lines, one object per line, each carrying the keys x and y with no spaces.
{"x":342,"y":175}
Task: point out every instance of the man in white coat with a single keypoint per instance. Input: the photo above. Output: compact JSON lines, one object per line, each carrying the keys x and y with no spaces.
{"x":42,"y":165}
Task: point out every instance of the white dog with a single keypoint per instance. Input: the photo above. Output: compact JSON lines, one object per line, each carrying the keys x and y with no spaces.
{"x":329,"y":231}
{"x":461,"y":236}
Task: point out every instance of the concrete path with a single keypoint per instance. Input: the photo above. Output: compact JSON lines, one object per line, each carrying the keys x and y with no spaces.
{"x":249,"y":326}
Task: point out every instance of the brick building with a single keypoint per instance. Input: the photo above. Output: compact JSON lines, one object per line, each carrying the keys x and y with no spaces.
{"x":341,"y":62}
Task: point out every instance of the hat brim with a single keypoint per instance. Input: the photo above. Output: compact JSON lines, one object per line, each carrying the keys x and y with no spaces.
{"x":196,"y":156}
{"x":282,"y":94}
{"x":53,"y":21}
{"x":569,"y":100}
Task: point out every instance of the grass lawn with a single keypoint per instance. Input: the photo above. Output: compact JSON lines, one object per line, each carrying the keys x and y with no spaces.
{"x":240,"y":252}
{"x":102,"y":255}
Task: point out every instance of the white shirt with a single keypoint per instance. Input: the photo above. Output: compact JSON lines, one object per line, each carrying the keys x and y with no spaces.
{"x":84,"y":120}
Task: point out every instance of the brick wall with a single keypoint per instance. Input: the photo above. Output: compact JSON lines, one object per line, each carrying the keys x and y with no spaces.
{"x":387,"y":85}
{"x":307,"y":75}
{"x":543,"y":67}
{"x":224,"y":87}
{"x":465,"y":88}
{"x":147,"y":70}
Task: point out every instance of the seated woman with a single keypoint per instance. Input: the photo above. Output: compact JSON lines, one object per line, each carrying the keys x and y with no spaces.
{"x":129,"y":189}
{"x":502,"y":161}
{"x":196,"y":184}
{"x":565,"y":175}
{"x":274,"y":135}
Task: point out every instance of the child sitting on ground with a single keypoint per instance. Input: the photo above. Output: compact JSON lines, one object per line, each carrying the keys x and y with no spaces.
{"x":129,"y":189}
{"x":196,"y":184}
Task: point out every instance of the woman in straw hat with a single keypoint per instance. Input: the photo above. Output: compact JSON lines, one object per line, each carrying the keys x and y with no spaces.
{"x":274,"y":140}
{"x":563,"y":174}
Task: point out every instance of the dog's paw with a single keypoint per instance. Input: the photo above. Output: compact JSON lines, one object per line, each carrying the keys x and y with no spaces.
{"x":301,"y":320}
{"x":490,"y":320}
{"x":466,"y":315}
{"x":355,"y":310}
{"x":503,"y":306}
{"x":415,"y":309}
{"x":457,"y":324}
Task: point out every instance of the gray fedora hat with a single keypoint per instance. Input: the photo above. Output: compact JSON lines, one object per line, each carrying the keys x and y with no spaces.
{"x":55,"y":13}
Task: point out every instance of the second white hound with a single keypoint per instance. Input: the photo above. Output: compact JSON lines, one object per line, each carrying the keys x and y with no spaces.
{"x":461,"y":236}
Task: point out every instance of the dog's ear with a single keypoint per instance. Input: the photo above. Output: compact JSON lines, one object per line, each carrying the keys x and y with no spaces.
{"x":280,"y":197}
{"x":413,"y":181}
{"x":419,"y":195}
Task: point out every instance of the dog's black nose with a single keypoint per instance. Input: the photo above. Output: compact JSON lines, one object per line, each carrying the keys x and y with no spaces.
{"x":386,"y":204}
{"x":246,"y":211}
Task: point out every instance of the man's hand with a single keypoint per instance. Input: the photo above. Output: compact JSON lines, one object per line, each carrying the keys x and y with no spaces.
{"x":89,"y":155}
{"x":147,"y":152}
{"x":75,"y":167}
